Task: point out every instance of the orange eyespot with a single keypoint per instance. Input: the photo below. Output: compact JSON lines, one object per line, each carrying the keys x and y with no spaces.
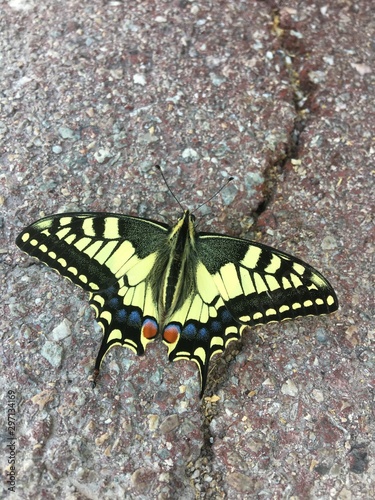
{"x":171,"y":333}
{"x":149,"y":329}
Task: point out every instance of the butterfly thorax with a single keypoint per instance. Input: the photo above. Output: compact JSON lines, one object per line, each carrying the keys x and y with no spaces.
{"x":176,"y":281}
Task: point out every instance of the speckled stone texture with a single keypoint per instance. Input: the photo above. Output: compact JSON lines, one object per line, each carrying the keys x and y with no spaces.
{"x":277,"y":94}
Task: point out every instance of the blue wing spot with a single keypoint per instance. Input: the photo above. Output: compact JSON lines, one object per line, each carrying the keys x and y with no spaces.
{"x":121,"y":315}
{"x":115,"y":302}
{"x":150,"y":322}
{"x":203,"y":334}
{"x":189,"y":330}
{"x":216,"y":326}
{"x":226,"y":316}
{"x":134,"y":319}
{"x":110,"y":291}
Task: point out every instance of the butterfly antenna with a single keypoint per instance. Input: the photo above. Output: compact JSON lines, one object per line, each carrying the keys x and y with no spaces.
{"x":215,"y":194}
{"x":169,"y":189}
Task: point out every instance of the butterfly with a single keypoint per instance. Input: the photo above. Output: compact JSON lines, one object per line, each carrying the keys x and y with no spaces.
{"x":198,"y":290}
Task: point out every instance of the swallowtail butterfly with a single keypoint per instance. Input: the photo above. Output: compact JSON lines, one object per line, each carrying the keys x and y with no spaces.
{"x":198,"y":290}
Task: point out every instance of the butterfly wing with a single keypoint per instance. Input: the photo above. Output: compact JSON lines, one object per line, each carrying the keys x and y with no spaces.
{"x":238,"y":284}
{"x":260,"y":284}
{"x":111,"y":257}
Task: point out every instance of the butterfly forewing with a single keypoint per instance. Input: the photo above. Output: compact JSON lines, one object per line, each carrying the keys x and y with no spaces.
{"x":260,"y":284}
{"x":91,"y":249}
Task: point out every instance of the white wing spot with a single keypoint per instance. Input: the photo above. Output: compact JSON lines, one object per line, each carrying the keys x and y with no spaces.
{"x":128,"y":296}
{"x":141,"y":270}
{"x":64,"y":221}
{"x":88,"y":227}
{"x":105,"y":252}
{"x":286,"y":283}
{"x":298,"y":268}
{"x":272,"y":282}
{"x":139,"y":295}
{"x":295,"y":280}
{"x":318,"y":281}
{"x":270,"y":312}
{"x":312,"y":287}
{"x":230,"y":330}
{"x":82,"y":243}
{"x":247,"y":282}
{"x":260,"y":284}
{"x":131,"y":345}
{"x":244,"y":319}
{"x":330,"y":300}
{"x":62,"y":233}
{"x":216,"y":341}
{"x":93,"y":248}
{"x":274,"y":265}
{"x":111,"y":228}
{"x":115,"y":335}
{"x":96,"y":310}
{"x":220,"y":286}
{"x":69,"y":239}
{"x":99,"y":299}
{"x":200,"y":353}
{"x":251,"y":257}
{"x":206,"y":286}
{"x":205,"y":315}
{"x":230,"y":280}
{"x":212,"y":311}
{"x":195,"y":309}
{"x":107,"y":316}
{"x":120,"y":256}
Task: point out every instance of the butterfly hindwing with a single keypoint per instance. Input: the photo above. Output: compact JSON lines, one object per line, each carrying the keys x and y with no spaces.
{"x":127,"y":316}
{"x":199,"y":330}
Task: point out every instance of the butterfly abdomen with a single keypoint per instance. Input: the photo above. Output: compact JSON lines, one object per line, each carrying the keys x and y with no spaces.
{"x":178,"y":278}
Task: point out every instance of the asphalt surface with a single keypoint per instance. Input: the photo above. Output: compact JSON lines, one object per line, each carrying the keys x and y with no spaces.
{"x":279,"y":95}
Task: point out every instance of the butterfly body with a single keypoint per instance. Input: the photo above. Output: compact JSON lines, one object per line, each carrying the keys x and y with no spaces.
{"x":198,"y":290}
